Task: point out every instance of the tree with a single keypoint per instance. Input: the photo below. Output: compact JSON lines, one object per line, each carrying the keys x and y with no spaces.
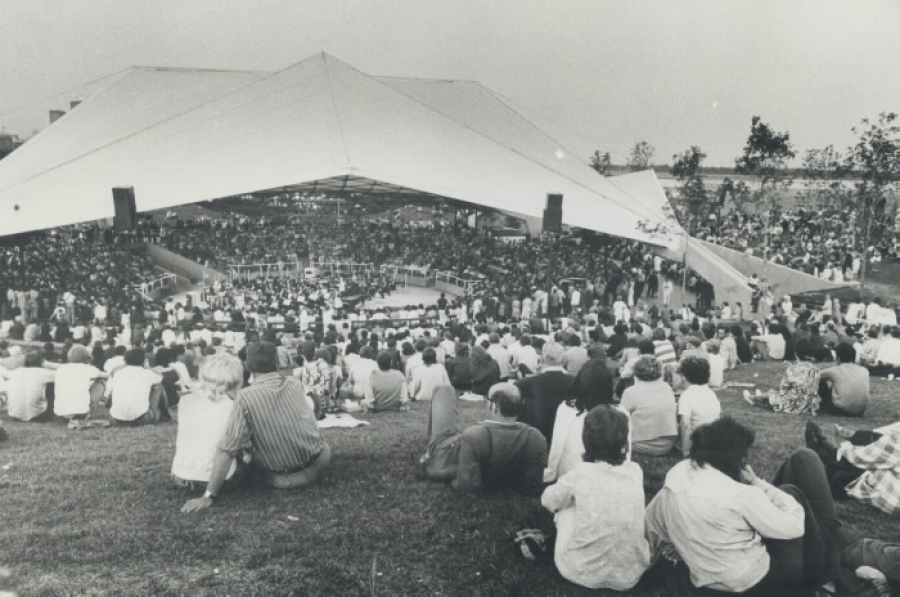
{"x":641,"y":156}
{"x":875,"y":163}
{"x":601,"y":162}
{"x":687,"y":168}
{"x":765,"y":158}
{"x":825,"y":173}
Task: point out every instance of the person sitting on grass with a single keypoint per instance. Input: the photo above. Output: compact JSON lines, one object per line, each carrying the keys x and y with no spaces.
{"x":651,"y":404}
{"x":865,"y":466}
{"x":202,"y":418}
{"x":424,"y":378}
{"x":698,"y":404}
{"x":386,"y":387}
{"x":797,"y":394}
{"x":599,"y":509}
{"x":844,"y":388}
{"x":275,"y":420}
{"x":592,"y":387}
{"x":887,"y":362}
{"x":137,"y":393}
{"x":27,"y":390}
{"x":738,"y":533}
{"x":499,"y":453}
{"x":79,"y":386}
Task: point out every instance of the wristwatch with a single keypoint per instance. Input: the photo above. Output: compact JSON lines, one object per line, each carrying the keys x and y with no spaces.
{"x":208,"y":495}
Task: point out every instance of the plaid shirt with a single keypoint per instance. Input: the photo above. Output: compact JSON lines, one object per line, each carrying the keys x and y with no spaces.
{"x":274,"y":419}
{"x":879,"y":485}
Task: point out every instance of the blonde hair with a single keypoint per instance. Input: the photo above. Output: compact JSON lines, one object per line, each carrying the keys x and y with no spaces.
{"x":79,"y":354}
{"x":221,"y":374}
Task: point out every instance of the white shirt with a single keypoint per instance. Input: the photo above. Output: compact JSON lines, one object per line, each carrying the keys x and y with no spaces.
{"x":26,"y":392}
{"x":889,"y":351}
{"x":697,"y":405}
{"x":424,"y":379}
{"x":201,"y":423}
{"x":130,"y":390}
{"x":776,"y":345}
{"x":73,"y":388}
{"x":717,"y":524}
{"x":600,"y":539}
{"x":716,"y":370}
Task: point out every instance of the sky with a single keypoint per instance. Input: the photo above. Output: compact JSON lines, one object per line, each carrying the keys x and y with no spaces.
{"x":599,"y":74}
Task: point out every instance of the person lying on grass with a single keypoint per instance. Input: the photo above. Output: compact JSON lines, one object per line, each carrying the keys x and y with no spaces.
{"x":273,"y":419}
{"x":498,"y":453}
{"x":203,"y":416}
{"x":864,"y":466}
{"x":599,"y":508}
{"x":738,"y":533}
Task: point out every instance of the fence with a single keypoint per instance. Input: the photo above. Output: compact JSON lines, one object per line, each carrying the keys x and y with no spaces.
{"x":252,"y":271}
{"x":165,"y":282}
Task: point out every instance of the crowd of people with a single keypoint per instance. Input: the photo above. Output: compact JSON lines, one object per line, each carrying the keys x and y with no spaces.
{"x":583,"y":379}
{"x":822,"y":243}
{"x":571,"y":402}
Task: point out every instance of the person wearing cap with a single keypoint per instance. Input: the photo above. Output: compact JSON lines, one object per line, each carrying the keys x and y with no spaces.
{"x":498,"y":453}
{"x":273,"y":419}
{"x":543,"y":393}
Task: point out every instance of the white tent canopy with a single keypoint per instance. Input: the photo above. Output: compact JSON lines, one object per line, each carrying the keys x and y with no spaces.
{"x":181,"y":136}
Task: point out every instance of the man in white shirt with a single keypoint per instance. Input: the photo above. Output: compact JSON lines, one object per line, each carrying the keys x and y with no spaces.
{"x":27,"y":390}
{"x":889,"y":352}
{"x":136,"y":392}
{"x":501,"y":355}
{"x":771,"y":345}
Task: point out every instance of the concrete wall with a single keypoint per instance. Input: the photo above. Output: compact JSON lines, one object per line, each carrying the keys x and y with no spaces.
{"x":180,"y":265}
{"x":782,"y":279}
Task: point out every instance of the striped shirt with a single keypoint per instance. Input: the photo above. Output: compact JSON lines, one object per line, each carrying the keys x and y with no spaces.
{"x":665,"y":352}
{"x":274,"y":419}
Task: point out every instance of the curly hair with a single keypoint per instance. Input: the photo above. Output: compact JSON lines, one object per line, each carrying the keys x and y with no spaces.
{"x":647,"y":368}
{"x":695,"y":369}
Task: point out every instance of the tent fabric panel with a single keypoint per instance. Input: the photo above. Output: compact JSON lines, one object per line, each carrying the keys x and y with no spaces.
{"x":393,"y":138}
{"x":477,"y":108}
{"x":138,"y":100}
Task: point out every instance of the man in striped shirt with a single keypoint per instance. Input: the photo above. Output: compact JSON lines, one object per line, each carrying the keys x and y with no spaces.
{"x":274,"y":421}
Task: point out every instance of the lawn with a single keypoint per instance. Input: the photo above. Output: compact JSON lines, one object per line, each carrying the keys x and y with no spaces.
{"x":94,"y":513}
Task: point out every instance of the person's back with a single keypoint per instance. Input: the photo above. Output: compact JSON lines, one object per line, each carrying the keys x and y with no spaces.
{"x":850,"y":388}
{"x":131,"y":389}
{"x":281,"y":422}
{"x":599,"y":508}
{"x":386,"y":388}
{"x":543,"y":393}
{"x":26,"y":390}
{"x":501,"y":454}
{"x":74,"y":384}
{"x":202,"y":418}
